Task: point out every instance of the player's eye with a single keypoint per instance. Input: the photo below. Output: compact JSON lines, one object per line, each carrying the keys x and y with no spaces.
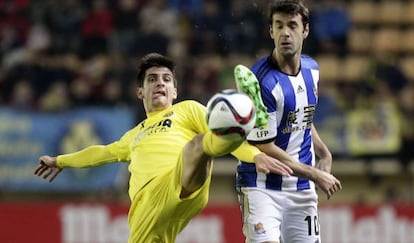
{"x":293,"y":26}
{"x":167,"y":78}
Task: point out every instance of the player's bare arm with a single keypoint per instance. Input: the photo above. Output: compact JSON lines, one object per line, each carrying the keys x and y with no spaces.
{"x":325,"y":181}
{"x":321,"y":151}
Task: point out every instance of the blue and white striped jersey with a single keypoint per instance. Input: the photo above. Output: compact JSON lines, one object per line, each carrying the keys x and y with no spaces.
{"x":291,"y":103}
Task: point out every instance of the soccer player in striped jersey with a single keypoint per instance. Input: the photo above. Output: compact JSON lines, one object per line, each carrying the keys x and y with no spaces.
{"x":169,"y":156}
{"x":277,"y":208}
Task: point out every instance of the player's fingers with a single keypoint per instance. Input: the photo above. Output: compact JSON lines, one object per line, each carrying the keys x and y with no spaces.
{"x":54,"y":174}
{"x":330,"y":193}
{"x":49,"y":171}
{"x":339,"y":185}
{"x":38,"y":169}
{"x":336,"y":186}
{"x":327,"y":194}
{"x":284,"y":172}
{"x":263,"y":169}
{"x":41,"y":169}
{"x":282,"y":169}
{"x":287,"y":170}
{"x":277,"y":170}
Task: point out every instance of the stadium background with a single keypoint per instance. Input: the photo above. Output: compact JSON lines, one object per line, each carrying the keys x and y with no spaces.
{"x":67,"y":80}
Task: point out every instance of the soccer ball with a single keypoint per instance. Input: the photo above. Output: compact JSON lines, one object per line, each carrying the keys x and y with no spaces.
{"x":231,"y":114}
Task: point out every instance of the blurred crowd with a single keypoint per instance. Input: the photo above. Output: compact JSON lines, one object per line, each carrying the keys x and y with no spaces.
{"x":61,"y":54}
{"x":56,"y":55}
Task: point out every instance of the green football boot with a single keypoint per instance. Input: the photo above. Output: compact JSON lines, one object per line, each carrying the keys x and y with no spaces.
{"x":247,"y":83}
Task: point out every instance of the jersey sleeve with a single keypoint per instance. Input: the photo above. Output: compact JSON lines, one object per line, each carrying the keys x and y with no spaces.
{"x":96,"y":155}
{"x":89,"y":157}
{"x":246,"y":152}
{"x":197,"y":117}
{"x":121,"y":148}
{"x":268,"y":133}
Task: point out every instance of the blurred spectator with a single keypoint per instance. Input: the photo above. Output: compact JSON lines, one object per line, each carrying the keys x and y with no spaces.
{"x":38,"y":38}
{"x":81,"y":92}
{"x":386,"y":72}
{"x":112,"y":95}
{"x":158,"y":25}
{"x":9,"y":39}
{"x":329,"y":27}
{"x":120,"y":68}
{"x":187,"y":7}
{"x":327,"y":103}
{"x":14,"y":24}
{"x":208,"y":32}
{"x":63,"y":19}
{"x":56,"y":98}
{"x":243,"y":28}
{"x":406,"y":104}
{"x":126,"y":26}
{"x":180,"y":42}
{"x":22,"y":96}
{"x":96,"y":28}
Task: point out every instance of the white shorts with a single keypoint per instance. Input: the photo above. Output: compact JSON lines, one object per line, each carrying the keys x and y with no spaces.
{"x":279,"y":216}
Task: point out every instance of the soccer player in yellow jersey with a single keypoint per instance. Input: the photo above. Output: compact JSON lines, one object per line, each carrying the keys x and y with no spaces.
{"x":170,"y":155}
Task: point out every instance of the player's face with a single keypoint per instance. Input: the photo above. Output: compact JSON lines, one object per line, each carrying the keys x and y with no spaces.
{"x":158,"y":91}
{"x":288,"y":33}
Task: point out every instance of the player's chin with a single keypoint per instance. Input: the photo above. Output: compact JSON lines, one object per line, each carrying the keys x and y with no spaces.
{"x":287,"y":50}
{"x":160,"y":102}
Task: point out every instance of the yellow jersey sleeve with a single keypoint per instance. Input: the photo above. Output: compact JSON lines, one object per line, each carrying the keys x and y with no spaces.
{"x":246,"y":152}
{"x":121,"y":148}
{"x":97,"y":154}
{"x":89,"y":157}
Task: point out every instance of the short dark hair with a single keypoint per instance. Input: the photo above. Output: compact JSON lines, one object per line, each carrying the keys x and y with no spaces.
{"x":289,"y":7}
{"x":154,"y":60}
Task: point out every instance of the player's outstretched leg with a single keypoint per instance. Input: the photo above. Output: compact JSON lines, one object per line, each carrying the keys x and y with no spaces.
{"x":247,"y":83}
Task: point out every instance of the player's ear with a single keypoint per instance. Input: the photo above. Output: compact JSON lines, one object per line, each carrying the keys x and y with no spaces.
{"x":175,"y":93}
{"x":139,"y":93}
{"x":305,"y":31}
{"x":271,"y":31}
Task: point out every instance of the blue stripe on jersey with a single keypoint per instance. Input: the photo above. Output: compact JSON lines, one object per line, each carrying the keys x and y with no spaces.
{"x":305,"y":156}
{"x":263,"y":69}
{"x":246,"y":175}
{"x":274,"y":182}
{"x":282,"y":140}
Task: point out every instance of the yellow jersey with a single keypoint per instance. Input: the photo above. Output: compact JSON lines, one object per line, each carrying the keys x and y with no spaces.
{"x":153,"y":146}
{"x":154,"y":149}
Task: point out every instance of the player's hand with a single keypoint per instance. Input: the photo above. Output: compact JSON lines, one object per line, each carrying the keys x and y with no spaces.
{"x":328,"y":183}
{"x":47,"y":168}
{"x":267,"y":164}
